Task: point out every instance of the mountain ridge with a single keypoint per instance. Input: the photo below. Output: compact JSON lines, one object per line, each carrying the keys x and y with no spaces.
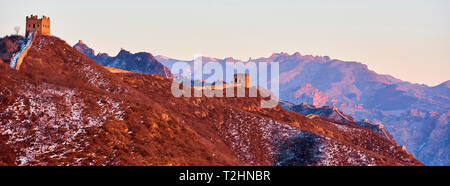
{"x":63,"y":108}
{"x":141,"y":62}
{"x":361,"y":92}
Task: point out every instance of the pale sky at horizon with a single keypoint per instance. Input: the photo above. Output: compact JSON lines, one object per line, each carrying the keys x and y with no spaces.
{"x":408,"y":39}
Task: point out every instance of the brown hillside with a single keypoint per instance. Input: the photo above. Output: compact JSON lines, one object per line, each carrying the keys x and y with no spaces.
{"x":62,"y":108}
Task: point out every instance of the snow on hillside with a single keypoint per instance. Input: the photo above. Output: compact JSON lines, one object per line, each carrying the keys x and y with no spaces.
{"x":47,"y":119}
{"x":250,"y":137}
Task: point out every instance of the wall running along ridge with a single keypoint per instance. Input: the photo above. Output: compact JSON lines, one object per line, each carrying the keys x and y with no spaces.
{"x":18,"y":57}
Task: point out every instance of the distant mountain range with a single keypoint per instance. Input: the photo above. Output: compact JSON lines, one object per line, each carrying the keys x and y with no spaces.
{"x":416,"y":115}
{"x":141,"y":62}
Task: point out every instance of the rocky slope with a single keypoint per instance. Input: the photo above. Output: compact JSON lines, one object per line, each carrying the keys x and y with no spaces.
{"x":140,"y":62}
{"x":62,"y":108}
{"x":364,"y":94}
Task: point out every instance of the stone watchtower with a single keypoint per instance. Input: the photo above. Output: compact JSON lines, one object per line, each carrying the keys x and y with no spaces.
{"x":242,"y":79}
{"x":42,"y":26}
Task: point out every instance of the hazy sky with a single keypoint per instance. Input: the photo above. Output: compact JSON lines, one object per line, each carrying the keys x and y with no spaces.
{"x":409,"y":39}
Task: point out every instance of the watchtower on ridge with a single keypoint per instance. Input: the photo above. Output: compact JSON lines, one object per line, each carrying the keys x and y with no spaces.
{"x":41,"y":26}
{"x":242,"y":79}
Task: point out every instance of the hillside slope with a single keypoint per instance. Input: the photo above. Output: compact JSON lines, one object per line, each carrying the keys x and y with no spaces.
{"x":8,"y":46}
{"x":62,"y":108}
